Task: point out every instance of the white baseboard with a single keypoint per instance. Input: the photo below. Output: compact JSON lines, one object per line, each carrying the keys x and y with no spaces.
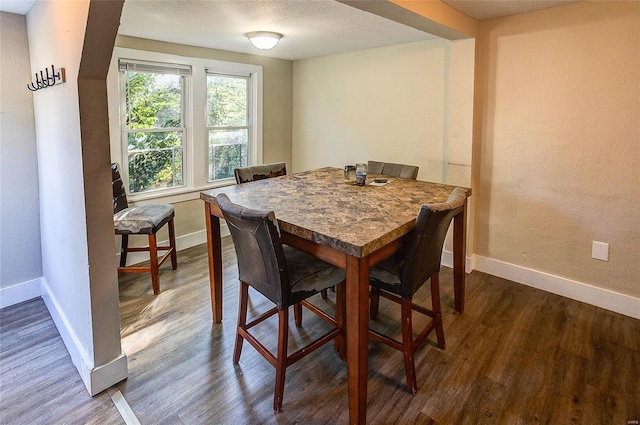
{"x":107,"y":375}
{"x":447,"y":261}
{"x":579,"y":291}
{"x":95,"y":379}
{"x":20,"y":292}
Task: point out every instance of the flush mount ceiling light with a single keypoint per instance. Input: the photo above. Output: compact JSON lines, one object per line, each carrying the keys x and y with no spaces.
{"x":264,"y":40}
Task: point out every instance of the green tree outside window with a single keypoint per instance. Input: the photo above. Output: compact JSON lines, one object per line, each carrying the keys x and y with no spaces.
{"x":154,"y":130}
{"x":227,"y":123}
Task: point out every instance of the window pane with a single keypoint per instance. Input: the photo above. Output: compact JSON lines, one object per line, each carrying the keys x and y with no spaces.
{"x":155,"y":160}
{"x":153,"y":100}
{"x":226,"y":101}
{"x":154,"y":140}
{"x":227,"y":150}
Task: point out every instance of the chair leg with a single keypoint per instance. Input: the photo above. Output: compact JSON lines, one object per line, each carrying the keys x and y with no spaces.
{"x":172,"y":244}
{"x":374,"y":302}
{"x":437,"y":310}
{"x":407,"y":346}
{"x":242,"y":320}
{"x":281,"y":360}
{"x":323,"y":294}
{"x":153,"y":263}
{"x":123,"y":250}
{"x":297,"y":314}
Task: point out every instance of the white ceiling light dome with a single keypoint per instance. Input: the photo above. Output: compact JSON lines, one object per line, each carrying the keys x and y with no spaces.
{"x":264,"y":40}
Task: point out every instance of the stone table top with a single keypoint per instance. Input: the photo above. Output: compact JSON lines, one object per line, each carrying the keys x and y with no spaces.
{"x":319,"y":206}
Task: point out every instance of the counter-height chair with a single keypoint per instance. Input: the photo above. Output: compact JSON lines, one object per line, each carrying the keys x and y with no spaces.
{"x":391,"y":169}
{"x":146,"y":219}
{"x":284,"y":275}
{"x":399,"y":277}
{"x":260,"y":172}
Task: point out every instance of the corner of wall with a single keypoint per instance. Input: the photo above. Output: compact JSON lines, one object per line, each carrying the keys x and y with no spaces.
{"x":95,"y":378}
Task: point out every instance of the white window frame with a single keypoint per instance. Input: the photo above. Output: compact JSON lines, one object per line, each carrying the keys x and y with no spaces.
{"x":195,"y":155}
{"x":125,"y":64}
{"x":250,"y":113}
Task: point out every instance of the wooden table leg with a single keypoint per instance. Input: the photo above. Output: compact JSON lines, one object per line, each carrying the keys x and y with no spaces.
{"x":459,"y":256}
{"x":357,"y":288}
{"x":214,"y":251}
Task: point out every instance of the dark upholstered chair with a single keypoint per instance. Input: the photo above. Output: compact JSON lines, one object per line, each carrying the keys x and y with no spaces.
{"x":395,"y":170}
{"x":142,"y":220}
{"x":399,"y":277}
{"x":284,"y":275}
{"x":260,"y":172}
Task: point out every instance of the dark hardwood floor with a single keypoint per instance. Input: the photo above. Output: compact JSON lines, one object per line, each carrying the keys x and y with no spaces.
{"x":516,"y":356}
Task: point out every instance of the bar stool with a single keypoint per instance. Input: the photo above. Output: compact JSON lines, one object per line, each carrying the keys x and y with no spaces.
{"x":146,"y":219}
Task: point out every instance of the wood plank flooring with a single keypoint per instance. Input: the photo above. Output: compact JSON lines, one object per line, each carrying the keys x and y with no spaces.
{"x":38,"y":382}
{"x":516,"y":356}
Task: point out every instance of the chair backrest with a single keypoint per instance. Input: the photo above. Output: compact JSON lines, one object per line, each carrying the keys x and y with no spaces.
{"x":119,"y":193}
{"x":391,"y":169}
{"x":423,"y":256}
{"x":260,"y":172}
{"x":261,"y":260}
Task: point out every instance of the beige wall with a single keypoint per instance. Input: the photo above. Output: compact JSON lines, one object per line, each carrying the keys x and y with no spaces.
{"x":557,"y":155}
{"x":389,"y":104}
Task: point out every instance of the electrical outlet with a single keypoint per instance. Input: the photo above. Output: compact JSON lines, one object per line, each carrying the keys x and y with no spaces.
{"x":600,"y":251}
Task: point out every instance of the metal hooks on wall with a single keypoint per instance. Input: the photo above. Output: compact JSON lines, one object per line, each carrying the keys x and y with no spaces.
{"x":45,"y":80}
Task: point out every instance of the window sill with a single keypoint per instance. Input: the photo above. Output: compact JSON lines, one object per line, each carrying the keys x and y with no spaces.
{"x":174,"y":196}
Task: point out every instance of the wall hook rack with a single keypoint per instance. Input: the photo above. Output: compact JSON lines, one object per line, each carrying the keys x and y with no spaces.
{"x":45,"y":79}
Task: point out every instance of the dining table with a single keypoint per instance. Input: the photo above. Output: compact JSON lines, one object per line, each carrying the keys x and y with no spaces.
{"x":350,"y":226}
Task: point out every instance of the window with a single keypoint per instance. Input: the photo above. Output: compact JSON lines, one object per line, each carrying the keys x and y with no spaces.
{"x":228,"y":123}
{"x":154,"y":124}
{"x":185,"y":123}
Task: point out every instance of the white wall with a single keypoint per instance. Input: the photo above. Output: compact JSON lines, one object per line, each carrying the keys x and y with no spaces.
{"x":20,"y":257}
{"x":86,"y":316}
{"x":386,"y":104}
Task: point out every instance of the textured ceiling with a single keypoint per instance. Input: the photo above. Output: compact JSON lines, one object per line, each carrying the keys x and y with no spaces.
{"x":310,"y":28}
{"x":487,"y":9}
